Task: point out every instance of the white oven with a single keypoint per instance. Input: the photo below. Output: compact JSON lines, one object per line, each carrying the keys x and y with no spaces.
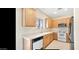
{"x":62,"y":30}
{"x":62,"y":34}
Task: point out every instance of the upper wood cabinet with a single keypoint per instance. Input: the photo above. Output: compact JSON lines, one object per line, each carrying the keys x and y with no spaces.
{"x":29,"y":17}
{"x":60,"y":20}
{"x":49,"y":22}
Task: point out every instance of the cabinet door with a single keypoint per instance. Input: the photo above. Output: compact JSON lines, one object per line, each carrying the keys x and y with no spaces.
{"x":47,"y":39}
{"x":29,"y":17}
{"x":51,"y":36}
{"x":50,"y":22}
{"x":55,"y":36}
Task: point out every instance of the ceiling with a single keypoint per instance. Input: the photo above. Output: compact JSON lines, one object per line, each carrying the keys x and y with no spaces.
{"x":57,"y":12}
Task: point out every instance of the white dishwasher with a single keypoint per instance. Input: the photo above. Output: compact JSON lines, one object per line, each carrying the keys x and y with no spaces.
{"x":37,"y":43}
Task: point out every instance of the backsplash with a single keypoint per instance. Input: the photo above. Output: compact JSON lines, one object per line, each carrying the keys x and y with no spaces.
{"x":32,"y":30}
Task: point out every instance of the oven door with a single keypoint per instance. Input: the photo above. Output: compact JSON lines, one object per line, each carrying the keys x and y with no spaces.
{"x":62,"y":34}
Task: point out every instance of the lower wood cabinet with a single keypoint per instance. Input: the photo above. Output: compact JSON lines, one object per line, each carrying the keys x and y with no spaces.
{"x":47,"y":39}
{"x":55,"y":36}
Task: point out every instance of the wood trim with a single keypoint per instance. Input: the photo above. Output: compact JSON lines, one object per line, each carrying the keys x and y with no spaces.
{"x":67,"y":38}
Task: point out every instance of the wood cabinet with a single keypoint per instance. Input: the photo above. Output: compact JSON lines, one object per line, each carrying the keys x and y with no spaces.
{"x":60,"y":20}
{"x":49,"y":22}
{"x":29,"y":17}
{"x":47,"y":39}
{"x":67,"y":38}
{"x":55,"y":36}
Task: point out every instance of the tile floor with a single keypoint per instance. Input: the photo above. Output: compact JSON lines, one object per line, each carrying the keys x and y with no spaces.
{"x":59,"y":45}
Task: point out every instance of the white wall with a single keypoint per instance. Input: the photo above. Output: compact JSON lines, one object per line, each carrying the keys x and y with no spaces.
{"x":76,"y":29}
{"x":18,"y":29}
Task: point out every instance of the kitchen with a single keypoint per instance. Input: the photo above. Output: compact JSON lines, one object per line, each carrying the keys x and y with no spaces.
{"x":44,"y":29}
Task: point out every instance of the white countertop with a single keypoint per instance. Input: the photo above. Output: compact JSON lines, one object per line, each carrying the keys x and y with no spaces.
{"x":38,"y":34}
{"x":35,"y":35}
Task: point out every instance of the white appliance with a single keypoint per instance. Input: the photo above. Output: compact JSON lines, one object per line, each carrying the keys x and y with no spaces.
{"x":62,"y":30}
{"x":38,"y":44}
{"x":62,"y":34}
